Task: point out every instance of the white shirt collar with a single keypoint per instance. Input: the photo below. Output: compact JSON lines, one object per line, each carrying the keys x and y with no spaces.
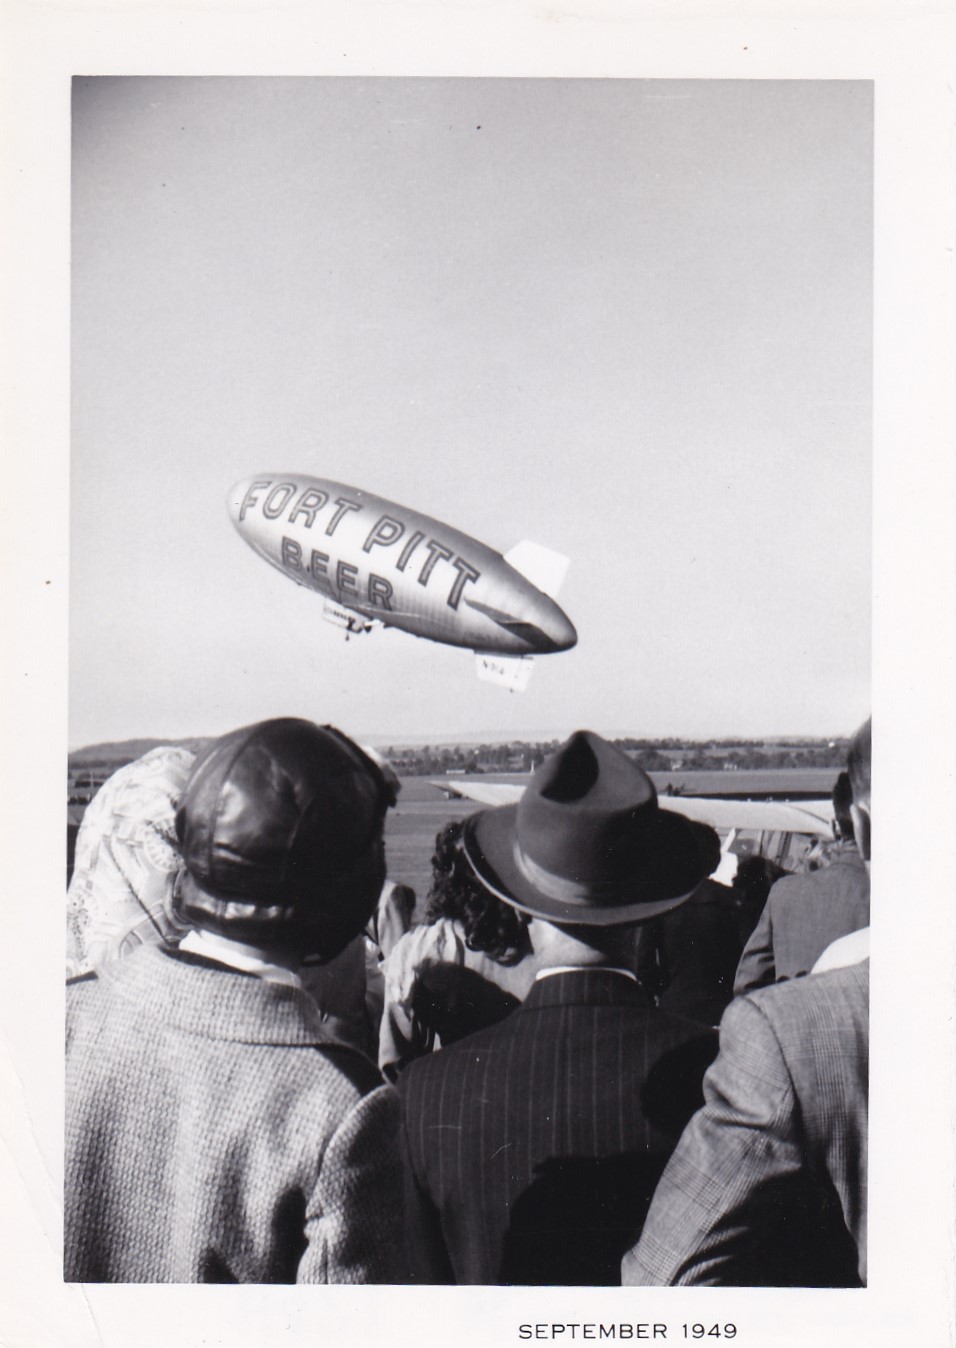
{"x":845,"y":950}
{"x":585,"y":969}
{"x":223,"y":951}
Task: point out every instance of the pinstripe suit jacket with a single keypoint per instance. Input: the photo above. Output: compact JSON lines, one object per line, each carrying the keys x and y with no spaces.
{"x":802,"y":916}
{"x":768,"y":1184}
{"x":532,"y":1148}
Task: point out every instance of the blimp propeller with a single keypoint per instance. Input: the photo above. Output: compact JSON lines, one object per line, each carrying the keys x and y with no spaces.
{"x":378,"y":563}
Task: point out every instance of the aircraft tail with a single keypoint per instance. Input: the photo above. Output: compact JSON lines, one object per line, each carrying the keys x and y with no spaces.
{"x":511,"y":671}
{"x":545,"y":569}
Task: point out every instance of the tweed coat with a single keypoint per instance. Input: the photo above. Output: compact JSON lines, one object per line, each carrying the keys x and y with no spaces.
{"x":533,"y":1146}
{"x":802,"y":916}
{"x":768,"y":1185}
{"x":215,"y":1134}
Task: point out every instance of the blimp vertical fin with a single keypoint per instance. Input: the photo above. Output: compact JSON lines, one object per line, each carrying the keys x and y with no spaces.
{"x":545,"y":569}
{"x":508,"y":670}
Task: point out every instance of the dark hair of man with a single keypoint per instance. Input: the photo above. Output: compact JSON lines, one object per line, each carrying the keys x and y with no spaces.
{"x":708,"y":844}
{"x":756,"y":876}
{"x":842,"y":797}
{"x":489,"y":925}
{"x":858,"y":762}
{"x":752,"y":883}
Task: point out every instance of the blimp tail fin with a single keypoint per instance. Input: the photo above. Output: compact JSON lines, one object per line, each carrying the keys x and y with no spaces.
{"x":511,"y":671}
{"x":545,"y":569}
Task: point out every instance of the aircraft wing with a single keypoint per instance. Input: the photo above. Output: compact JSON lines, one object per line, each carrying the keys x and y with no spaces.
{"x":777,"y":816}
{"x":485,"y":793}
{"x":813,"y":817}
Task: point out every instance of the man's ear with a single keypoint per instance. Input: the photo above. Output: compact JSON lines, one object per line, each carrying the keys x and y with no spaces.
{"x":860,"y":815}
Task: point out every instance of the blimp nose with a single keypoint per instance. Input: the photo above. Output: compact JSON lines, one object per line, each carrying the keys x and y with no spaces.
{"x":549,"y":628}
{"x":567,"y":635}
{"x":235,"y":498}
{"x":559,"y":630}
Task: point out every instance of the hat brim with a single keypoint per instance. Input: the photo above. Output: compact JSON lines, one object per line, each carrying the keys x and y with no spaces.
{"x":490,"y":838}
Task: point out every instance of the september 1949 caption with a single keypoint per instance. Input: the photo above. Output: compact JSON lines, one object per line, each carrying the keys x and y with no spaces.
{"x":583,"y":1329}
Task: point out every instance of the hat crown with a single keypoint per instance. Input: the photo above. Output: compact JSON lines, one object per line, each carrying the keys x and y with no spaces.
{"x":270,"y":808}
{"x":587,"y":843}
{"x":587,"y":812}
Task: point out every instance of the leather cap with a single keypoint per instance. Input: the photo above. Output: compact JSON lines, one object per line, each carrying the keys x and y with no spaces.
{"x":587,"y":844}
{"x":270,"y":815}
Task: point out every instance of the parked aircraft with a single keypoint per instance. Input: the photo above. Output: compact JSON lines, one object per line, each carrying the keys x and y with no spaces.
{"x":377,"y":563}
{"x":780,"y":830}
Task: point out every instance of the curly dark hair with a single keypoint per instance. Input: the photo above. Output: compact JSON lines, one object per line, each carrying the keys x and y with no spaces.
{"x":490,"y":925}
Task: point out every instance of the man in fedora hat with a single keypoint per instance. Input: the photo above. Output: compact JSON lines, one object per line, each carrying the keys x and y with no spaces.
{"x":533,"y":1147}
{"x":216,"y":1131}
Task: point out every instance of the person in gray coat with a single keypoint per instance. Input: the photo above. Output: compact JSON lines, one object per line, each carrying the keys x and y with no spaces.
{"x":768,"y":1184}
{"x":805,"y":913}
{"x":216,"y":1131}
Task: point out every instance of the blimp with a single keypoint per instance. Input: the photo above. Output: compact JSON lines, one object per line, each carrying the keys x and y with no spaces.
{"x":379,"y":564}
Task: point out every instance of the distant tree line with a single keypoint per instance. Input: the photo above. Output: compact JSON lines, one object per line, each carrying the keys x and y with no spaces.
{"x":657,"y":756}
{"x":667,"y":755}
{"x":436,"y":760}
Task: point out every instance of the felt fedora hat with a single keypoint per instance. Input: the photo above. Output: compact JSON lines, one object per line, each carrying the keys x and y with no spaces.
{"x":587,"y":844}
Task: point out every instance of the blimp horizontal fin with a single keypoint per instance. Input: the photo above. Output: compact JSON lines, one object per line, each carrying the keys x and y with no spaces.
{"x":510,"y":671}
{"x":545,"y":569}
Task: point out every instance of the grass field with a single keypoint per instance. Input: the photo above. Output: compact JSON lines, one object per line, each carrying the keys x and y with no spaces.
{"x":410,"y":832}
{"x":422,"y":810}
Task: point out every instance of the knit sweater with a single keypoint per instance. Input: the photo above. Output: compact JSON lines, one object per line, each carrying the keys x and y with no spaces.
{"x":215,"y":1134}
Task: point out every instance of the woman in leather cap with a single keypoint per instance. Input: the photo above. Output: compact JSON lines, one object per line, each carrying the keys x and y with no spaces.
{"x":202,"y":1143}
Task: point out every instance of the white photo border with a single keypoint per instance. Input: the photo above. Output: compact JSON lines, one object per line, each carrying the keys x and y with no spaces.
{"x":906,"y":50}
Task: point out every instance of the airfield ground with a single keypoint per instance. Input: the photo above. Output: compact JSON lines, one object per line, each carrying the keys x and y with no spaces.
{"x":422,"y":810}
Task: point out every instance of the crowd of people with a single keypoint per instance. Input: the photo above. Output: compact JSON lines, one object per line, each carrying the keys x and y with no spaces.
{"x":587,"y":1063}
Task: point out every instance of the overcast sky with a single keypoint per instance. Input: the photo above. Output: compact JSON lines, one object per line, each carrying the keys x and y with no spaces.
{"x":630,"y":320}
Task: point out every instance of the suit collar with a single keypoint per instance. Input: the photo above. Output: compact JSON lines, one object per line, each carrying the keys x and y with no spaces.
{"x":847,"y":854}
{"x":586,"y":986}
